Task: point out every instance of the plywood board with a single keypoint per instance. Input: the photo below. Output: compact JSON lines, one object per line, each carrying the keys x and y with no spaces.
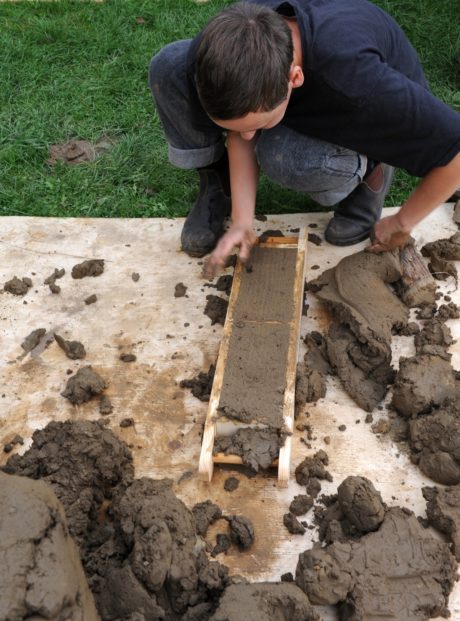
{"x":173,"y":340}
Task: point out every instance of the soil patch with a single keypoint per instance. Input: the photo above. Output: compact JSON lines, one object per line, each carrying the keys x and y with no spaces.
{"x":356,"y":509}
{"x":73,"y":349}
{"x":231,"y":484}
{"x":78,"y":151}
{"x":91,"y":299}
{"x":92,"y":267}
{"x":201,"y":385}
{"x":18,"y":286}
{"x":241,"y":531}
{"x":313,"y":468}
{"x":51,"y":280}
{"x":180,"y":290}
{"x":83,"y":386}
{"x":205,"y":514}
{"x":216,"y":309}
{"x":33,"y":339}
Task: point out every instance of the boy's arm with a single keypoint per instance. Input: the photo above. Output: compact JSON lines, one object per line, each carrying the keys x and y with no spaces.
{"x":438,"y":185}
{"x":244,"y":176}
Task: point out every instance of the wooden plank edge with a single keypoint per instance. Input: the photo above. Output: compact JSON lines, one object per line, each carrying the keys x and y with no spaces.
{"x":293,"y":354}
{"x":206,"y":463}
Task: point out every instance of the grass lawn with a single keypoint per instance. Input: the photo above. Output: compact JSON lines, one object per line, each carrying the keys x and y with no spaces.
{"x":78,"y":69}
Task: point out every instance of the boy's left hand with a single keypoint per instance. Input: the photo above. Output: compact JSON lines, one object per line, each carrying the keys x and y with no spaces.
{"x":387,"y":234}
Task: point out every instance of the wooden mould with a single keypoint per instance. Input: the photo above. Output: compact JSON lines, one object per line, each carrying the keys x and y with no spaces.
{"x":218,"y":425}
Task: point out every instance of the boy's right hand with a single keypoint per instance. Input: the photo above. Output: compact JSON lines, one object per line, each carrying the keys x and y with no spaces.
{"x":238,"y":235}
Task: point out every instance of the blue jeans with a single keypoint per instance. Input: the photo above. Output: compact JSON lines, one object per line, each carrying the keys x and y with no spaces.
{"x":326,"y":172}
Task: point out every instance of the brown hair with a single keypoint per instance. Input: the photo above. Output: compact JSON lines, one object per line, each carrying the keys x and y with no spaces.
{"x":243,"y":61}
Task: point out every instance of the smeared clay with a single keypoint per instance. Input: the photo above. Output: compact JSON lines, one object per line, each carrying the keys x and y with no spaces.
{"x":399,"y":572}
{"x":83,"y":386}
{"x":443,"y":512}
{"x":41,"y":575}
{"x":33,"y":339}
{"x":366,"y":311}
{"x":256,"y":447}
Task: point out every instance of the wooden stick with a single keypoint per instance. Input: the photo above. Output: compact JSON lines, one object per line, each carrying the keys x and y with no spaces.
{"x":206,"y":464}
{"x":418,"y":287}
{"x":294,"y":340}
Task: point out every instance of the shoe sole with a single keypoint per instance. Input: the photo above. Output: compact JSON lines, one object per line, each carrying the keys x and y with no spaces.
{"x":348,"y":242}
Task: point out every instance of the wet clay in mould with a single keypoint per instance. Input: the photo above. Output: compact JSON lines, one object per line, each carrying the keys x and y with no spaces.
{"x":83,"y":386}
{"x":256,"y":447}
{"x":366,"y":311}
{"x":399,"y":572}
{"x":92,"y":267}
{"x":41,"y":575}
{"x":254,"y":379}
{"x":443,"y":512}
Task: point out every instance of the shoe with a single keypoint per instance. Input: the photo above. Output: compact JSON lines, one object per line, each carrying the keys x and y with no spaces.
{"x":204,"y":225}
{"x":359,"y":211}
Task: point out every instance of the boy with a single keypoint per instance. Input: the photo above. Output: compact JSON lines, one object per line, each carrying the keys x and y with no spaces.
{"x":326,"y":96}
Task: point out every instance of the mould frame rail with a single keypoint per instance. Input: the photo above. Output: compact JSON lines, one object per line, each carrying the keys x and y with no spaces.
{"x":207,"y":458}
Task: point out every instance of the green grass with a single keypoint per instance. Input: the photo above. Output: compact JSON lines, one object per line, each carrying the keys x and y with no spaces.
{"x":77,"y":69}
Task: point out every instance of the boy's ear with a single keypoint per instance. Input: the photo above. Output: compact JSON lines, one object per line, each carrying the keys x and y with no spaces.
{"x":296,"y":77}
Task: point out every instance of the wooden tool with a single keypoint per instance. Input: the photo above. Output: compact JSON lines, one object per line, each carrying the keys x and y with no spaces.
{"x":215,"y":423}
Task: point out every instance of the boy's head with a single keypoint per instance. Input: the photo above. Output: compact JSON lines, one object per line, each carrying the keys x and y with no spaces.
{"x":243,"y":62}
